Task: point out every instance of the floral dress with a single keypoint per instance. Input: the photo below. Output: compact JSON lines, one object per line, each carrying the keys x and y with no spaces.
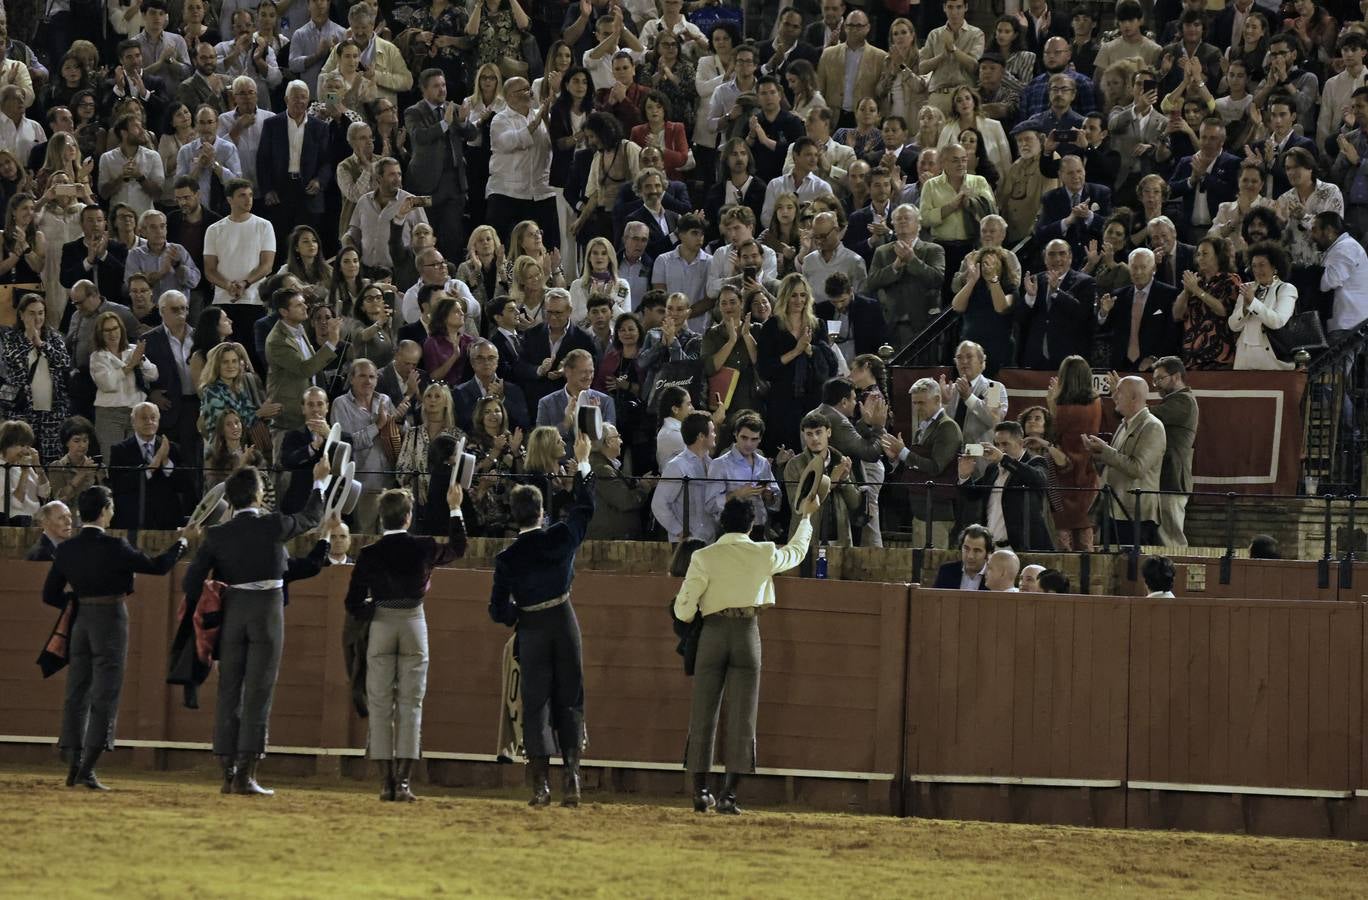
{"x":1325,"y":197}
{"x":682,"y":91}
{"x":411,"y":468}
{"x":1208,"y":342}
{"x":499,"y":37}
{"x":450,"y":22}
{"x":489,"y":491}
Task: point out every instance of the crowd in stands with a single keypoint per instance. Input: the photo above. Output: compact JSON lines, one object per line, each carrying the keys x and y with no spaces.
{"x":229,"y":226}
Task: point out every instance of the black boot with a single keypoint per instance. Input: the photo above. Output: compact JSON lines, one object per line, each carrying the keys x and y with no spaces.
{"x":244,"y":781}
{"x":73,"y":760}
{"x":85,"y":774}
{"x":703,"y":798}
{"x":387,"y":791}
{"x":229,"y":773}
{"x":541,"y":787}
{"x":401,"y":782}
{"x":727,"y":804}
{"x":570,"y":781}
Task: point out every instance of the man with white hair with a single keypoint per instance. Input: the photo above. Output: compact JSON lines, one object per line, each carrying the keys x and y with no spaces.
{"x":167,"y":266}
{"x":1001,"y":571}
{"x":174,"y":391}
{"x":292,"y":165}
{"x":242,"y":124}
{"x":382,"y":61}
{"x":55,"y":520}
{"x":1139,"y":318}
{"x":908,"y":273}
{"x":1132,"y":462}
{"x":1171,"y":257}
{"x":931,"y":455}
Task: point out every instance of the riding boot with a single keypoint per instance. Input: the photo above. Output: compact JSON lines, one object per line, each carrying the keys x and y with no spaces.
{"x":570,"y":781}
{"x":401,"y":783}
{"x":244,"y":781}
{"x":387,"y":791}
{"x":229,"y":773}
{"x":85,"y":775}
{"x":703,"y":798}
{"x":727,"y":804}
{"x":541,"y":786}
{"x":73,"y":760}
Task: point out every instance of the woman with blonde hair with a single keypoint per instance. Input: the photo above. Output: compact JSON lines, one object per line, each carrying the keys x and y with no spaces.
{"x":966,"y":112}
{"x":543,"y":467}
{"x":485,"y":101}
{"x":930,"y":124}
{"x":528,"y":288}
{"x":483,"y":269}
{"x":59,"y":222}
{"x":121,"y":372}
{"x":63,"y":154}
{"x":412,"y":466}
{"x":526,"y":239}
{"x":600,"y":278}
{"x":14,"y":177}
{"x":900,"y":90}
{"x":1116,"y":88}
{"x":226,"y":384}
{"x":794,"y":356}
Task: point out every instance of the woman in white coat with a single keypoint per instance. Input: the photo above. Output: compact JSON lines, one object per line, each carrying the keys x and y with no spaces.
{"x":965,"y":112}
{"x":1263,"y":305}
{"x":115,"y":367}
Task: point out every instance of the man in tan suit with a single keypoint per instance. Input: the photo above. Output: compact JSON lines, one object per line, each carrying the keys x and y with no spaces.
{"x":844,"y":82}
{"x":1132,"y":461}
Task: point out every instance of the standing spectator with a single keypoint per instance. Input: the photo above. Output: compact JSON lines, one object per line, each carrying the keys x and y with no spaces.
{"x":242,"y":124}
{"x":973,"y":400}
{"x":365,"y":414}
{"x":680,"y":502}
{"x":1075,"y":211}
{"x":239,"y":252}
{"x":1140,"y":317}
{"x":438,"y":131}
{"x":384,"y":63}
{"x":731,"y":344}
{"x":95,"y":256}
{"x":496,"y":453}
{"x":1264,"y":304}
{"x":1230,"y":215}
{"x":619,"y":498}
{"x":830,"y":257}
{"x":166,"y":266}
{"x":148,"y":491}
{"x":519,"y":185}
{"x":121,"y":372}
{"x":671,"y":352}
{"x":1056,"y":311}
{"x":559,"y":409}
{"x":545,"y":346}
{"x":1177,"y":410}
{"x":313,"y":41}
{"x":802,"y":181}
{"x":951,"y":200}
{"x":985,"y":303}
{"x":743,"y":473}
{"x":40,"y":359}
{"x":950,"y":55}
{"x":169,"y":347}
{"x":796,"y":359}
{"x":832,"y":525}
{"x":1132,"y":462}
{"x":294,"y":362}
{"x":1012,"y":490}
{"x":1203,"y":307}
{"x":293,"y":164}
{"x":380,"y":212}
{"x":210,"y":161}
{"x":26,"y":484}
{"x":131,"y":173}
{"x":371,"y":332}
{"x":1345,"y":274}
{"x":414,"y":464}
{"x":1130,"y":41}
{"x":1075,"y":411}
{"x":204,"y":86}
{"x":909,"y":275}
{"x":1205,"y":180}
{"x":444,"y":352}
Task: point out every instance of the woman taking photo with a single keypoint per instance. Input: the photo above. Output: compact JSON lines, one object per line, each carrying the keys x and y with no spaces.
{"x":793,"y":355}
{"x":1203,"y":308}
{"x":121,"y":372}
{"x":412,"y":466}
{"x":79,"y":468}
{"x":444,"y":351}
{"x":63,"y":154}
{"x":666,"y":136}
{"x":618,"y":376}
{"x":985,"y":303}
{"x":1075,"y":410}
{"x":1262,"y":305}
{"x":497,"y":454}
{"x":36,"y":358}
{"x":965,"y":103}
{"x":227,"y":385}
{"x":900,"y":89}
{"x":483,"y":270}
{"x":211,"y":329}
{"x":370,"y":330}
{"x":600,"y":279}
{"x":59,"y":222}
{"x":673,"y":76}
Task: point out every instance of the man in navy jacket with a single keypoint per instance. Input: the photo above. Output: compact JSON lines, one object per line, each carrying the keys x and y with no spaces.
{"x":976,"y":542}
{"x":1209,"y":174}
{"x":293,"y":191}
{"x":1075,"y":211}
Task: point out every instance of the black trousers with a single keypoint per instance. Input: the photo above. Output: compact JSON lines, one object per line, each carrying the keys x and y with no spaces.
{"x":1125,"y":533}
{"x":504,"y":212}
{"x":552,"y":680}
{"x":250,"y":642}
{"x":291,"y":211}
{"x":99,"y":647}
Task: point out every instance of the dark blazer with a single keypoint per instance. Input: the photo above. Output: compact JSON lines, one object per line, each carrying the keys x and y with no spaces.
{"x":249,"y":547}
{"x":814,"y":35}
{"x":97,"y":564}
{"x":42,"y":550}
{"x":160,"y":354}
{"x":1219,"y":184}
{"x":298,"y":456}
{"x":659,"y":241}
{"x":273,"y":158}
{"x":948,"y":577}
{"x":195,"y":92}
{"x":163,"y":496}
{"x":399,"y":566}
{"x":1023,"y":500}
{"x":388,"y":383}
{"x":753,"y":198}
{"x":1182,"y":259}
{"x":433,"y":148}
{"x":1054,"y":207}
{"x":1280,"y":183}
{"x":1158,"y":335}
{"x":867,"y":325}
{"x":856,"y":235}
{"x":539,"y":565}
{"x":1068,"y":319}
{"x":468,"y":394}
{"x":536,"y":343}
{"x":158,"y":99}
{"x":1221,"y":30}
{"x":1061,"y":25}
{"x":108,"y":273}
{"x":784,"y":130}
{"x":508,"y":357}
{"x":1178,"y":412}
{"x":801,"y":50}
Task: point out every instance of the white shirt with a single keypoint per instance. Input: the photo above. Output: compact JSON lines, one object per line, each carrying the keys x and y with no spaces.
{"x":810,"y":187}
{"x":520,"y":166}
{"x":1346,"y":273}
{"x":669,"y":442}
{"x":20,"y":138}
{"x":295,"y":131}
{"x":238,"y":246}
{"x":149,"y":165}
{"x":370,"y":223}
{"x":732,"y":195}
{"x":114,"y":386}
{"x":247,"y":139}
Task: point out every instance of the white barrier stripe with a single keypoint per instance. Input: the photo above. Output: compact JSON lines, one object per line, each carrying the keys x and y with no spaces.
{"x":1018,"y":780}
{"x":1239,"y":789}
{"x":357,"y":752}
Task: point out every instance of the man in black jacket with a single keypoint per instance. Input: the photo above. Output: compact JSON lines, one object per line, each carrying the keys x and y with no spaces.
{"x":536,"y":348}
{"x":95,"y":256}
{"x":531,"y":590}
{"x":861,"y":318}
{"x":1055,"y":311}
{"x":300,"y":449}
{"x":1011,"y":490}
{"x":149,"y":490}
{"x":168,"y":348}
{"x":99,"y":569}
{"x":1140,"y":336}
{"x":976,"y":542}
{"x":387,"y":587}
{"x":55,"y":520}
{"x":247,"y":553}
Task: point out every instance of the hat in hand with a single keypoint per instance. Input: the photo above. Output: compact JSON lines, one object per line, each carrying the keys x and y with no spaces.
{"x":589,"y":420}
{"x":814,"y":481}
{"x":343,"y":493}
{"x":210,"y":508}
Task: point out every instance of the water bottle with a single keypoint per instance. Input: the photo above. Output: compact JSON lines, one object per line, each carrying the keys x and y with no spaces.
{"x":821,"y":563}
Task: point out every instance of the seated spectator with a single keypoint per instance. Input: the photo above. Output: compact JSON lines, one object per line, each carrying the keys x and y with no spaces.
{"x":1029,"y":574}
{"x":444,"y":351}
{"x":54,"y":517}
{"x":967,"y":573}
{"x":744,"y":473}
{"x":1001,"y":572}
{"x":497,"y":452}
{"x":1053,"y":581}
{"x":620,"y":499}
{"x":559,"y":409}
{"x":1106,"y":263}
{"x":78,"y":468}
{"x":832,"y":521}
{"x":1158,"y":573}
{"x":1266,"y":303}
{"x":1264,"y":546}
{"x":225,"y":449}
{"x":483,"y":270}
{"x":26,"y":484}
{"x":438,"y":418}
{"x":685,"y":516}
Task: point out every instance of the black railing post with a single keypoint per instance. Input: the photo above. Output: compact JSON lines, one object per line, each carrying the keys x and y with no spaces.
{"x":5,"y":470}
{"x":1106,"y":521}
{"x":1323,"y":566}
{"x":1228,"y":561}
{"x":1346,"y":576}
{"x":927,"y":541}
{"x":1133,"y":566}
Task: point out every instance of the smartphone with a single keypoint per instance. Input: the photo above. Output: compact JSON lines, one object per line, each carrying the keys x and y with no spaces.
{"x":331,"y":98}
{"x":424,"y":202}
{"x":1062,"y":135}
{"x":388,"y":297}
{"x":973,"y":450}
{"x":751,"y":272}
{"x":65,"y":190}
{"x":1149,"y":84}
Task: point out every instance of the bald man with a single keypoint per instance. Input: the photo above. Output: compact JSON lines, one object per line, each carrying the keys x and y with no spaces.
{"x":1001,"y":572}
{"x":1132,"y":462}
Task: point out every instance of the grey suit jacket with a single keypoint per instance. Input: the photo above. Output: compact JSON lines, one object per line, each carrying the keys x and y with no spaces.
{"x":551,"y":410}
{"x":431,"y":146}
{"x":853,"y":439}
{"x":1178,"y":412}
{"x":1127,"y":133}
{"x":908,"y":294}
{"x":1133,"y":462}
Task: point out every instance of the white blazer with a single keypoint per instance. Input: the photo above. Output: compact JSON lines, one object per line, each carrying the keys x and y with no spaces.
{"x":738,"y":572}
{"x":1252,"y":350}
{"x":997,"y":150}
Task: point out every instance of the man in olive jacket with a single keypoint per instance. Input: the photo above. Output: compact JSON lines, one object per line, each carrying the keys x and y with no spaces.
{"x":931,"y":455}
{"x":293,"y":361}
{"x":1177,"y":409}
{"x":909,"y":274}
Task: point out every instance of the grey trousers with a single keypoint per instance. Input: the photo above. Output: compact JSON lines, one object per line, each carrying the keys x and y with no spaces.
{"x":396,"y":680}
{"x":250,"y":642}
{"x":1172,"y":517}
{"x":728,"y":657}
{"x":99,"y":646}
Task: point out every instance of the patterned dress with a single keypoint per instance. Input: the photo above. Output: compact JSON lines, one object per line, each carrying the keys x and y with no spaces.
{"x":499,"y":37}
{"x":1208,"y":342}
{"x":19,"y":358}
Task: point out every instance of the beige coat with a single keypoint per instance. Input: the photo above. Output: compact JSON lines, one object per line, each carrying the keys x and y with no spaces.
{"x":831,"y":75}
{"x":1134,"y":461}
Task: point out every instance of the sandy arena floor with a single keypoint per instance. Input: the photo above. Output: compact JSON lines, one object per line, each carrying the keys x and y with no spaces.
{"x":168,"y":835}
